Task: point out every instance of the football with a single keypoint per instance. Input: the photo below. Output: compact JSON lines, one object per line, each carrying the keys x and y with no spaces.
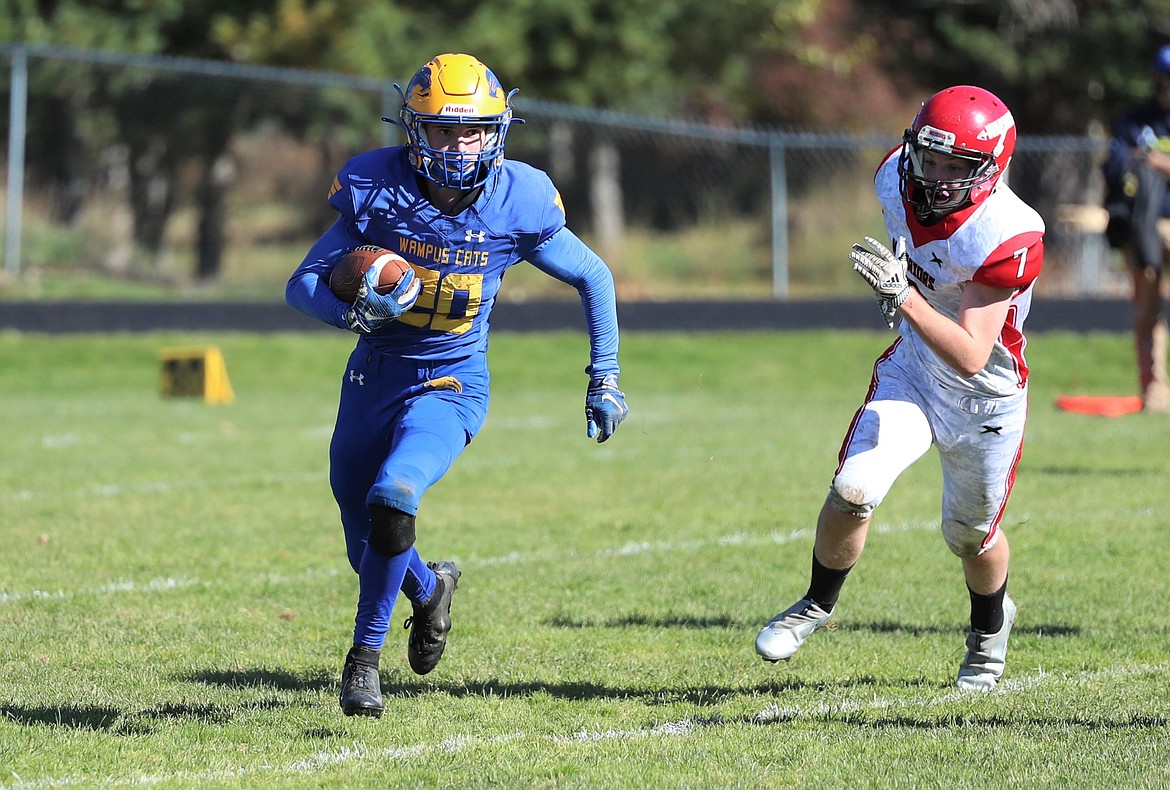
{"x":347,"y":274}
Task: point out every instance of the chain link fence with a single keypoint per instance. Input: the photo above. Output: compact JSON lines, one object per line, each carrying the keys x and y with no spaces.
{"x":186,"y":174}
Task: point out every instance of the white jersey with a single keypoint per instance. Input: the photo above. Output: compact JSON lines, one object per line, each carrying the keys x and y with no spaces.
{"x":998,"y":242}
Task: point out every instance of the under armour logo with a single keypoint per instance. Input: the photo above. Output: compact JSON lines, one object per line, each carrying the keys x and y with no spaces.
{"x":475,"y":235}
{"x":992,"y":429}
{"x":360,"y":378}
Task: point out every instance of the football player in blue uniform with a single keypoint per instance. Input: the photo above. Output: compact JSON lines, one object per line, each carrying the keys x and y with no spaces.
{"x":415,"y":389}
{"x":1136,"y":175}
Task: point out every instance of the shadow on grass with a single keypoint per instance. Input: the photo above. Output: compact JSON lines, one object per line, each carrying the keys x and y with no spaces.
{"x":262,"y":679}
{"x":726,"y":621}
{"x":72,"y":717}
{"x":120,"y":722}
{"x":395,"y":688}
{"x":137,"y":722}
{"x":890,"y":627}
{"x":397,"y":684}
{"x":698,"y":696}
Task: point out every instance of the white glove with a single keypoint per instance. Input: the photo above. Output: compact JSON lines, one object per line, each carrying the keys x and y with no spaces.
{"x":885,"y":272}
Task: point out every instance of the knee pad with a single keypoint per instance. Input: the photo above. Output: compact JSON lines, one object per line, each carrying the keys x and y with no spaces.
{"x":965,"y":540}
{"x":391,"y":530}
{"x":850,"y":499}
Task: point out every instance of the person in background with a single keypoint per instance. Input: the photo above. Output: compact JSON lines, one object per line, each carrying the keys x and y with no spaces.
{"x":1138,"y":203}
{"x":966,"y":252}
{"x":415,"y":389}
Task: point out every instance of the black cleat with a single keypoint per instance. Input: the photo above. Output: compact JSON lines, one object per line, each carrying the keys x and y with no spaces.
{"x":361,"y":687}
{"x":432,"y":620}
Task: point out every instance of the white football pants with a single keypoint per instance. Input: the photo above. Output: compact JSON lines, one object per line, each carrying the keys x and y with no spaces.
{"x":979,"y":442}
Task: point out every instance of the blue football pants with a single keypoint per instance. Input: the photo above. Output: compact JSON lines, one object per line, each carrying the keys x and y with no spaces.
{"x":400,"y":425}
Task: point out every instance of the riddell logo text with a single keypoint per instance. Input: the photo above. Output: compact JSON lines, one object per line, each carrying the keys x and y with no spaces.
{"x":924,"y":278}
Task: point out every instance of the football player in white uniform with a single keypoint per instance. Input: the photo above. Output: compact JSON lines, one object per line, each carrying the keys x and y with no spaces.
{"x":958,"y":281}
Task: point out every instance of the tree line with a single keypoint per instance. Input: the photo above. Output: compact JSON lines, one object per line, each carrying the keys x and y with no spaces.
{"x":1064,"y":66}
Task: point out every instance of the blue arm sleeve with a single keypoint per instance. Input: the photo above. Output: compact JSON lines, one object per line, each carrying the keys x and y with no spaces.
{"x":308,"y":287}
{"x":567,"y":258}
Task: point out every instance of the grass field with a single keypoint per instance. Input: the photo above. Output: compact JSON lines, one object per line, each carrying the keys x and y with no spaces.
{"x":175,"y":602}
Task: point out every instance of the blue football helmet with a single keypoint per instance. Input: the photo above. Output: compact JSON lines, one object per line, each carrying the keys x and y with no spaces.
{"x":455,"y":89}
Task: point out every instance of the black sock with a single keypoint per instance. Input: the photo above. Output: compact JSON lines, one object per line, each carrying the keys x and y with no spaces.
{"x":987,"y":610}
{"x":825,"y":587}
{"x":365,"y":655}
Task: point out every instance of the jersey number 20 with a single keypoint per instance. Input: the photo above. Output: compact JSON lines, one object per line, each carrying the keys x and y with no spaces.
{"x":445,"y":304}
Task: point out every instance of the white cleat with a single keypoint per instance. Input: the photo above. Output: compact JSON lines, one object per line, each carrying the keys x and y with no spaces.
{"x":986,"y":656}
{"x":786,"y":632}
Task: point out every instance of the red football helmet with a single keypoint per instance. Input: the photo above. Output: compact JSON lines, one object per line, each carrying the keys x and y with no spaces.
{"x":965,"y":122}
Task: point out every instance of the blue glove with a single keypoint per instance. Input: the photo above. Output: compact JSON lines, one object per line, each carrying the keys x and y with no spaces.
{"x":371,"y":310}
{"x":605,"y":407}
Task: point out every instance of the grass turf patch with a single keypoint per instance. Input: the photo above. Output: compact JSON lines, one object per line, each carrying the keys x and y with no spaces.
{"x":175,"y":602}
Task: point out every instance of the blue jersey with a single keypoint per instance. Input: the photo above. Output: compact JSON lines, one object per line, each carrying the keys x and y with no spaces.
{"x":1145,"y":125}
{"x":460,"y":260}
